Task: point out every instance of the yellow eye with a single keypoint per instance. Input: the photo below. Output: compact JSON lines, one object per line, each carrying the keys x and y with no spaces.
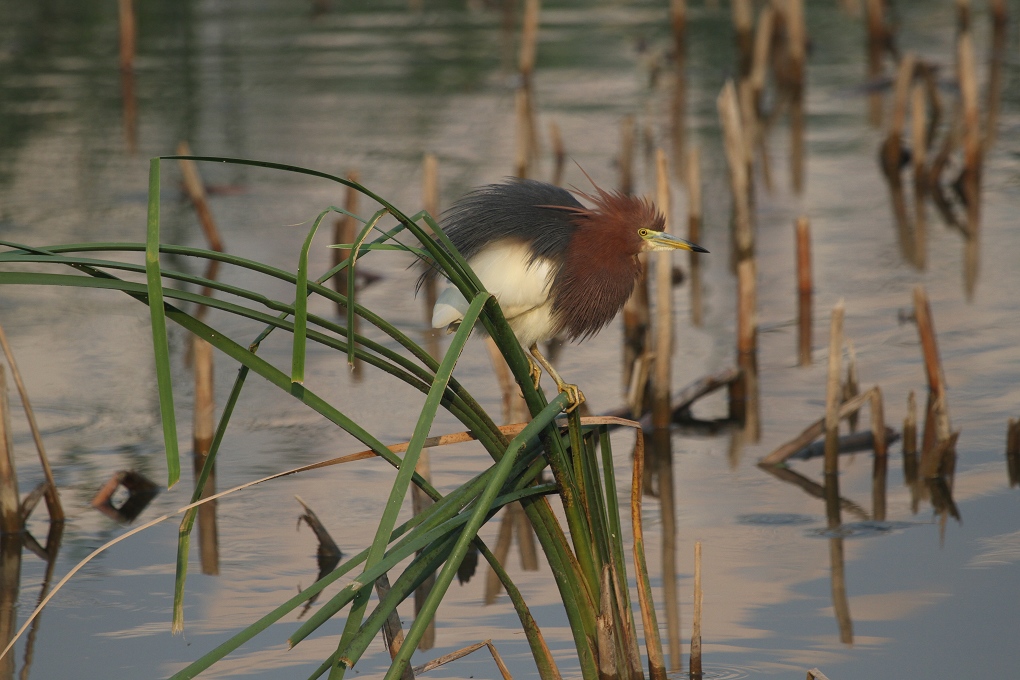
{"x":642,"y":233}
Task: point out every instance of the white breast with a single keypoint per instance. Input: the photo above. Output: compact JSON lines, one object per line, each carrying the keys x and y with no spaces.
{"x":522,"y":289}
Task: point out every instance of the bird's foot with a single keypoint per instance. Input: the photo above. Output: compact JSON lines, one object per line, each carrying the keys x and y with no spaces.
{"x":574,"y":395}
{"x":536,"y":373}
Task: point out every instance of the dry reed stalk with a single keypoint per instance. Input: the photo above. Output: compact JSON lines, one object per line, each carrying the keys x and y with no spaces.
{"x":763,"y":36}
{"x":962,"y":15}
{"x":195,"y":188}
{"x":797,"y":42}
{"x":525,"y":134}
{"x":203,"y":421}
{"x":627,"y":155}
{"x":805,"y":291}
{"x":10,"y":504}
{"x":529,"y":39}
{"x":876,"y":46}
{"x":729,"y":113}
{"x":744,"y":392}
{"x":345,"y":231}
{"x":460,"y":653}
{"x":892,"y":147}
{"x":662,"y":375}
{"x":972,"y":142}
{"x":559,"y":152}
{"x":53,"y":506}
{"x":743,"y":17}
{"x":695,"y":668}
{"x":678,"y":22}
{"x":694,"y":211}
{"x":815,"y":674}
{"x":128,"y":41}
{"x":204,"y":427}
{"x":10,"y":582}
{"x":832,"y":390}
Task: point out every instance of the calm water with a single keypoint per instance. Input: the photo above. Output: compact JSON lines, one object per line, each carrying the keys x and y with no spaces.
{"x":371,"y":86}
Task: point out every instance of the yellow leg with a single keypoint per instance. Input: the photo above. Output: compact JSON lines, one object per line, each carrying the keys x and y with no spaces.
{"x":574,"y":394}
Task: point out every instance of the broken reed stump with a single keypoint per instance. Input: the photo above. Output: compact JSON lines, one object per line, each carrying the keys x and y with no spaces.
{"x":797,"y":46}
{"x":1013,"y":452}
{"x":204,"y":428}
{"x":345,"y":230}
{"x":694,"y":212}
{"x":128,"y":32}
{"x":10,"y":503}
{"x":678,"y":23}
{"x":728,"y":106}
{"x":805,"y":291}
{"x":626,"y":162}
{"x":527,"y":131}
{"x":932,"y":364}
{"x":743,"y":17}
{"x":892,"y":148}
{"x":966,"y":72}
{"x":832,"y":409}
{"x":877,"y":43}
{"x":559,"y":153}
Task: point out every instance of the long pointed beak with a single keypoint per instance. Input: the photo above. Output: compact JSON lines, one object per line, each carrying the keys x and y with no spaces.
{"x":660,"y":240}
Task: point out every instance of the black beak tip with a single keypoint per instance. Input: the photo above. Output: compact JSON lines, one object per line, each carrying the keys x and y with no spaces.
{"x":699,"y":249}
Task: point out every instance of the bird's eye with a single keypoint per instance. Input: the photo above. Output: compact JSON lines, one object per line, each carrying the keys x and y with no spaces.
{"x":642,"y":232}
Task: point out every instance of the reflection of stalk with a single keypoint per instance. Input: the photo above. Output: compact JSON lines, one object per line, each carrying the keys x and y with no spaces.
{"x":10,"y":504}
{"x":10,"y":580}
{"x":840,"y":603}
{"x":53,"y":540}
{"x":693,"y":179}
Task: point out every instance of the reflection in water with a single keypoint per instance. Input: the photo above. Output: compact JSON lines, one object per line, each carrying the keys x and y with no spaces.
{"x":661,"y":468}
{"x":10,"y":580}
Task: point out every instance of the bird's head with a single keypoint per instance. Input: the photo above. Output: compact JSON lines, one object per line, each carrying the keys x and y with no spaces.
{"x":632,"y":224}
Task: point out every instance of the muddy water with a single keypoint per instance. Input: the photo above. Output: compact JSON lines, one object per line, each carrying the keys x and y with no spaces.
{"x":372,"y":87}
